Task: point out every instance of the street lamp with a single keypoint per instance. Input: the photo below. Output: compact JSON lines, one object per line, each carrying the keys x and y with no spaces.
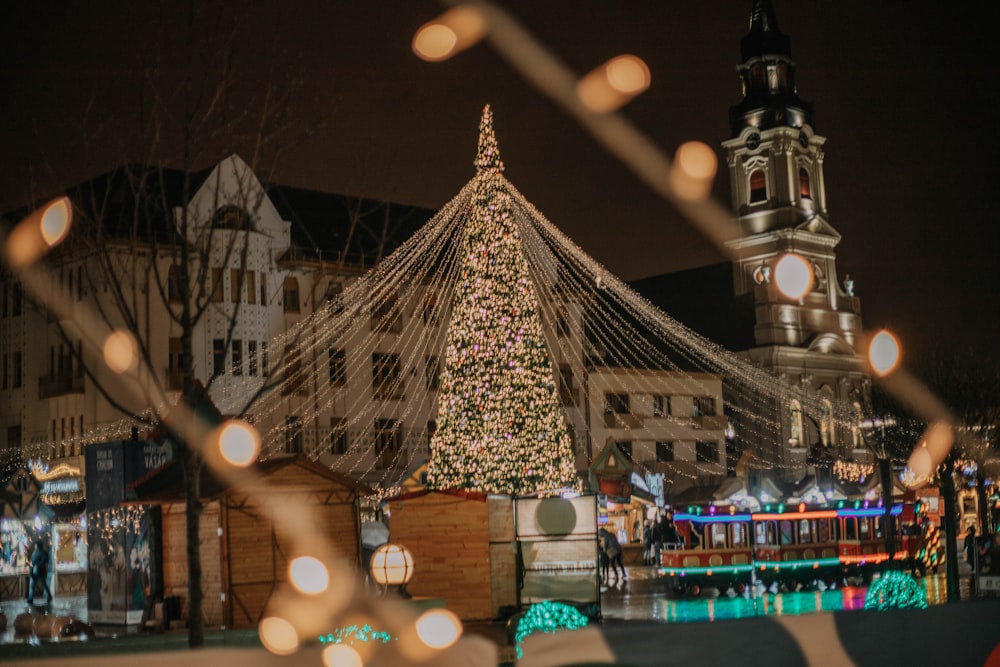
{"x":392,"y":565}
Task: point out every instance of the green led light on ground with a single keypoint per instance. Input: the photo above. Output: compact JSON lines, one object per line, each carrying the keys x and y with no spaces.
{"x":548,"y":617}
{"x":355,"y":633}
{"x":895,"y":590}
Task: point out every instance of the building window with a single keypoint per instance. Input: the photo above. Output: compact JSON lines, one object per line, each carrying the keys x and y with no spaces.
{"x":293,"y":435}
{"x":175,"y":364}
{"x":805,"y":188}
{"x":617,"y":403}
{"x":661,"y":406}
{"x":252,"y":358}
{"x":218,"y":356}
{"x":626,"y":448}
{"x":263,"y":289}
{"x":706,"y":452}
{"x":174,"y":284}
{"x":290,"y":294}
{"x":17,"y":371}
{"x":704,"y":406}
{"x":338,"y":366}
{"x":264,"y":366}
{"x":387,"y":442}
{"x":562,"y":322}
{"x":758,"y":186}
{"x":386,"y":316}
{"x":293,"y":381}
{"x":234,"y":285}
{"x":237,"y":346}
{"x":217,"y":285}
{"x":338,"y":435}
{"x":665,"y":451}
{"x":432,"y":374}
{"x":567,"y":388}
{"x":14,"y":437}
{"x":385,"y":376}
{"x":429,"y":309}
{"x":251,"y":287}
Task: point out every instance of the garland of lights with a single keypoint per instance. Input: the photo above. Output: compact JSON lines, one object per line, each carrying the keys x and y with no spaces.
{"x":853,"y":471}
{"x":895,"y":590}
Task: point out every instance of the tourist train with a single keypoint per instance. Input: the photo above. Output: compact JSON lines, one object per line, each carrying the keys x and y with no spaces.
{"x":783,"y":548}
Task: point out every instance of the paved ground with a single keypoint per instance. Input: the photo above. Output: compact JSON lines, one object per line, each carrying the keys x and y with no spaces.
{"x":644,"y":596}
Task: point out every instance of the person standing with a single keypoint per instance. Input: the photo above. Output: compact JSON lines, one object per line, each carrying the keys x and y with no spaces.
{"x":39,"y":572}
{"x":613,"y":549}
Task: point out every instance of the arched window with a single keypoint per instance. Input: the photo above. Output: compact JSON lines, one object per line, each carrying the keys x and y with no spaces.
{"x":795,"y":420}
{"x":805,"y":186}
{"x":826,"y":422}
{"x":231,"y":217}
{"x":857,"y":437}
{"x":758,"y":186}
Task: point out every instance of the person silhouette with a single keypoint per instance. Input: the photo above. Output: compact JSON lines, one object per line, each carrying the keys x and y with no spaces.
{"x":39,"y":572}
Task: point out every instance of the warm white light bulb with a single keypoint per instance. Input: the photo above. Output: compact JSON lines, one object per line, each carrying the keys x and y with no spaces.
{"x":884,"y":352}
{"x":439,"y":628}
{"x":308,"y":575}
{"x":121,"y":353}
{"x":793,"y":275}
{"x":278,"y":636}
{"x":239,"y":443}
{"x":56,"y":221}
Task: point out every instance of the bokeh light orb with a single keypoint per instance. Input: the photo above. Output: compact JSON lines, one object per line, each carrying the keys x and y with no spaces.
{"x":121,"y":352}
{"x":452,"y":32}
{"x":434,"y":42}
{"x":309,"y":575}
{"x":438,"y":628}
{"x":884,"y":352}
{"x":278,"y":636}
{"x":239,"y":443}
{"x":627,"y":74}
{"x":693,"y":171}
{"x":56,"y":221}
{"x":793,"y":275}
{"x":341,"y":655}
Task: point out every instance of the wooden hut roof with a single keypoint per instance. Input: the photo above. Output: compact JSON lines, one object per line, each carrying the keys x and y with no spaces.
{"x":166,"y":483}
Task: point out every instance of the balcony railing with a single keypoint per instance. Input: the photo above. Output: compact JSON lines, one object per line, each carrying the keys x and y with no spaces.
{"x":60,"y":384}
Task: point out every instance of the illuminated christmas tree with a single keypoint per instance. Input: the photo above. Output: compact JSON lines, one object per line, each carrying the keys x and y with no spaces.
{"x":501,"y":427}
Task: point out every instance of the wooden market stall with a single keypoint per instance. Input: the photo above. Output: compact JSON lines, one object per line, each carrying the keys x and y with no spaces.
{"x":463,"y":549}
{"x":244,"y":559}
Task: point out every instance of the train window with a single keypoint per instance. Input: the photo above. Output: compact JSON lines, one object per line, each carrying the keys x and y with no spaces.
{"x":850,"y":529}
{"x":787,"y":532}
{"x":805,"y":531}
{"x":718,"y":536}
{"x":865,"y":527}
{"x":738,"y":535}
{"x":824,"y":530}
{"x":760,"y":532}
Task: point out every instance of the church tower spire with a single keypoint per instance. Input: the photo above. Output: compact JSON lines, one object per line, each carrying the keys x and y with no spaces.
{"x":775,"y":161}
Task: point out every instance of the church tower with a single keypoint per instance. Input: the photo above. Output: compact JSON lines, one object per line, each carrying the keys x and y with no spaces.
{"x":775,"y":159}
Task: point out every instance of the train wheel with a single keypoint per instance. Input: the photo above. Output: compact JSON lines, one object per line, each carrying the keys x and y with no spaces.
{"x":694,"y":590}
{"x":740,"y":587}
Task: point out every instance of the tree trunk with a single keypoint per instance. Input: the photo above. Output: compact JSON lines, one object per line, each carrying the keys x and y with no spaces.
{"x":192,"y":512}
{"x":949,"y":524}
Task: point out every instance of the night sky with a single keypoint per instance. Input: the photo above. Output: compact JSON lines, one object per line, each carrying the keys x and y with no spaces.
{"x":904,"y":92}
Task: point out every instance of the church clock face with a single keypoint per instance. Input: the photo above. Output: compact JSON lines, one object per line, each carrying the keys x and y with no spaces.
{"x":753,"y":141}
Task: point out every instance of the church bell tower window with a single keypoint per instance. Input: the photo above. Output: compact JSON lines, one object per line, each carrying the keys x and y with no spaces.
{"x":758,"y":186}
{"x":805,"y":188}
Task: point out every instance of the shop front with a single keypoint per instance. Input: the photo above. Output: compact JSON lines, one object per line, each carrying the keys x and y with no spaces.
{"x":625,"y":502}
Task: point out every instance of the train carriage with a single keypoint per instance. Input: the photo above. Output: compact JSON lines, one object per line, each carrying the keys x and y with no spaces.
{"x":809,"y":546}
